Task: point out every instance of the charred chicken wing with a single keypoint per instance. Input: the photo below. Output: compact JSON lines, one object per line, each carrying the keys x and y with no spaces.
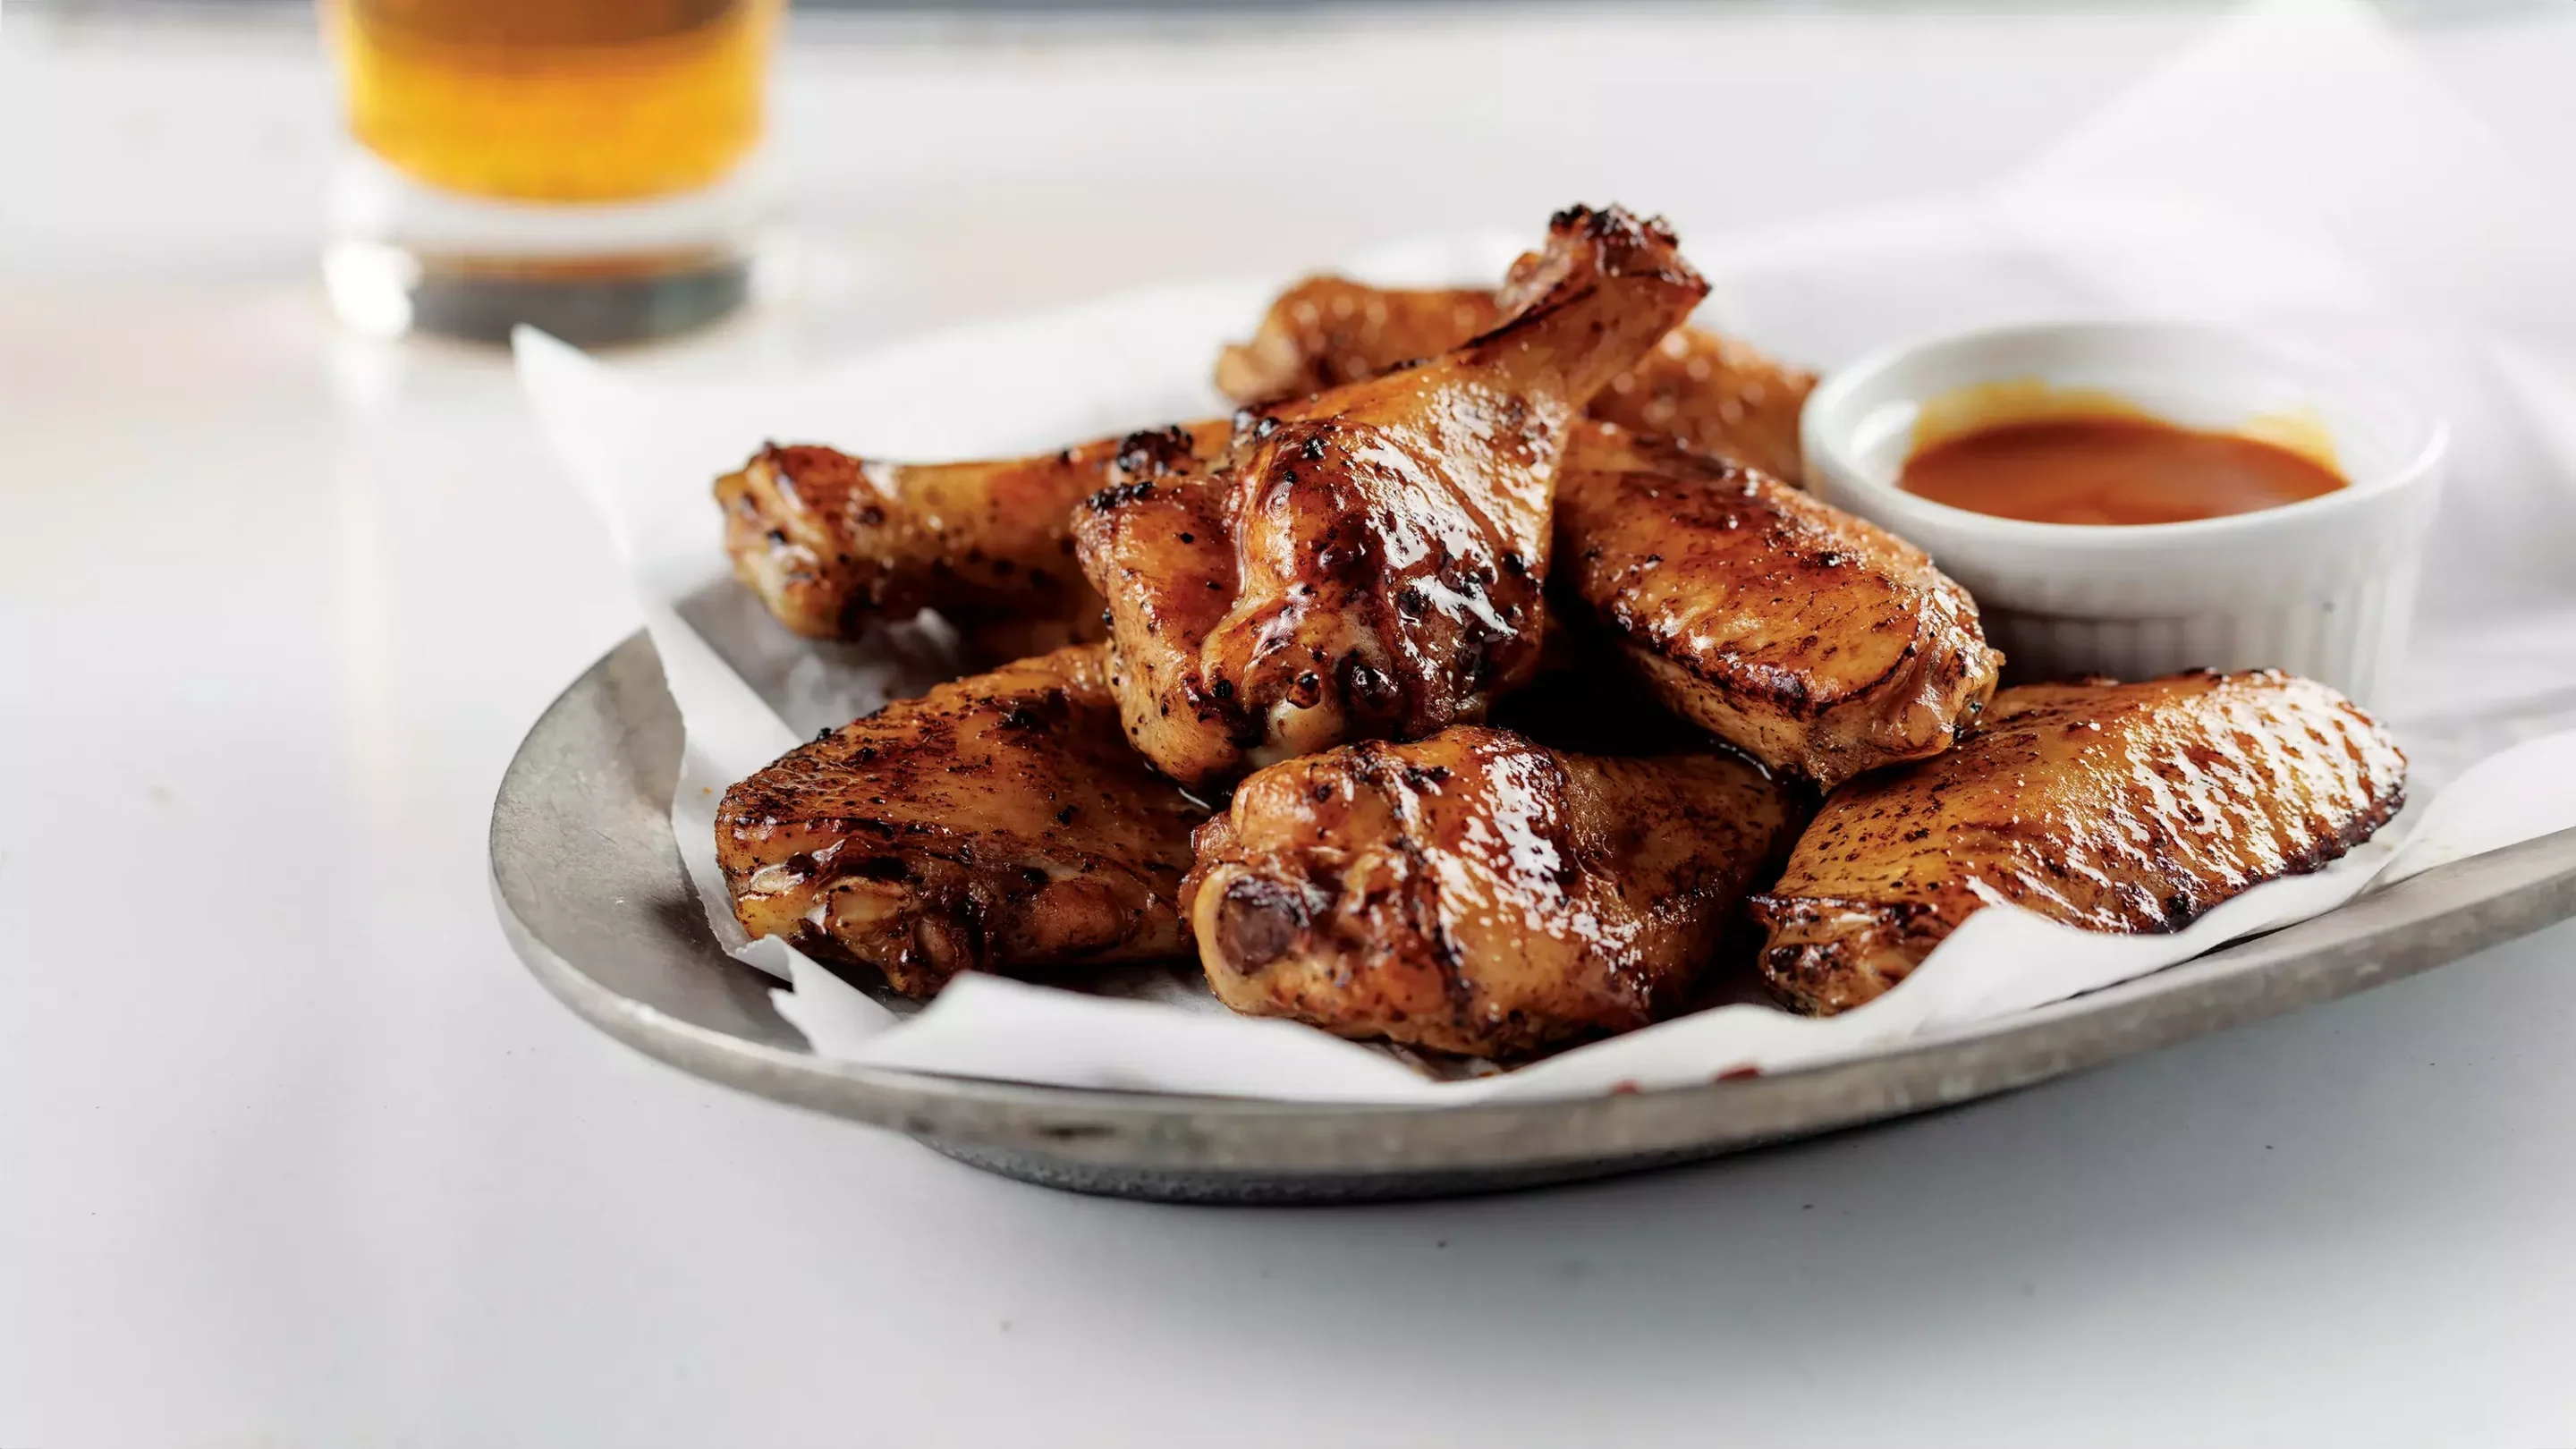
{"x":1475,"y":892}
{"x":2114,"y":807}
{"x":996,"y":823}
{"x":1817,"y":643}
{"x":1367,"y":562}
{"x":830,"y":541}
{"x":1714,"y":393}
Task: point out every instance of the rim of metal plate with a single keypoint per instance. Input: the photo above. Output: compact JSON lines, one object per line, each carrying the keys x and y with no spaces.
{"x":591,"y":892}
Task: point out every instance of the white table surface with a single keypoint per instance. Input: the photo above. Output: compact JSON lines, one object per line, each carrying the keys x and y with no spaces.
{"x":292,"y":1152}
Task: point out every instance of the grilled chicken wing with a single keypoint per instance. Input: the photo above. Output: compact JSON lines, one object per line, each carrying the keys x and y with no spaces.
{"x":1367,"y":562}
{"x":998,"y":822}
{"x":1817,"y":643}
{"x":2114,"y":807}
{"x":1475,"y":892}
{"x":1712,"y":392}
{"x":830,"y":541}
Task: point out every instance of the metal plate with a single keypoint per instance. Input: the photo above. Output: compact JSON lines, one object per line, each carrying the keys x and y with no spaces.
{"x":591,"y":891}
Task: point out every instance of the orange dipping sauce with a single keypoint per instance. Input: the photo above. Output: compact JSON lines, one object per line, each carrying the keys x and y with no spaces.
{"x":2111,"y":470}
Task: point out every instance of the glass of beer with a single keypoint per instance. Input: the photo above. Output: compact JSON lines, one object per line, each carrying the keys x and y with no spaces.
{"x":584,"y":166}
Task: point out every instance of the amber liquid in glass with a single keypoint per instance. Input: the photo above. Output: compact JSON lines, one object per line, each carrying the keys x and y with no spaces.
{"x":556,"y":100}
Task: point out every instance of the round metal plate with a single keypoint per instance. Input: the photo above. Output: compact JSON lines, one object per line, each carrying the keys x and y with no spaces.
{"x":592,"y":894}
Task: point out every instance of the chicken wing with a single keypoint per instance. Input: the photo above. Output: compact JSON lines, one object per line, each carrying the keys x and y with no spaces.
{"x":1475,"y":892}
{"x":830,"y":541}
{"x":1712,"y":392}
{"x":1817,"y":643}
{"x":998,"y":822}
{"x":2114,"y":807}
{"x":1367,"y":562}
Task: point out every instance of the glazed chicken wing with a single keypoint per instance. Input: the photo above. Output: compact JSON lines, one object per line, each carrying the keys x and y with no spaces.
{"x":1817,"y":643}
{"x":2114,"y":807}
{"x":1712,"y":392}
{"x":830,"y":541}
{"x":1475,"y":892}
{"x":1367,"y":562}
{"x":996,"y":823}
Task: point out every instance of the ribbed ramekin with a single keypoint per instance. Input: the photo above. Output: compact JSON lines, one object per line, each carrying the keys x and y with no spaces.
{"x":2323,"y":587}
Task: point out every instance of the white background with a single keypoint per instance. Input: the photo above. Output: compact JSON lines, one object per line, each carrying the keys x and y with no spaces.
{"x":293,"y":1153}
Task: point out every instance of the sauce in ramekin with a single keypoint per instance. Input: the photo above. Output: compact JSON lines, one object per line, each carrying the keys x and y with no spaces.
{"x":2115,"y":469}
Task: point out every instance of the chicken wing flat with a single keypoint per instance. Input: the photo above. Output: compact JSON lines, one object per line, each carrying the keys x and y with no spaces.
{"x":998,"y":822}
{"x":1367,"y":562}
{"x":1712,"y":392}
{"x":1819,"y":644}
{"x":1475,"y":892}
{"x":2113,"y":807}
{"x":830,"y":541}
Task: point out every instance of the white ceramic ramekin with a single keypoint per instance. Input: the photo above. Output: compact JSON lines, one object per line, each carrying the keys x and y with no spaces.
{"x":2322,"y":588}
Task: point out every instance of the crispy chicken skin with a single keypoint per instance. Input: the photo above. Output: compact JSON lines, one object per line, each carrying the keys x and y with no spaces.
{"x":1819,"y":644}
{"x":1714,"y":393}
{"x":998,"y":822}
{"x":2114,"y":807}
{"x":830,"y":541}
{"x":1367,"y":562}
{"x":1476,"y":892}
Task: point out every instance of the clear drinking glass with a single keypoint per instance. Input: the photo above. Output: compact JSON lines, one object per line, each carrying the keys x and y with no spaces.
{"x":581,"y":165}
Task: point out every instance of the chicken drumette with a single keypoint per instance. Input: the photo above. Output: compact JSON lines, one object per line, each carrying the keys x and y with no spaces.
{"x":831,"y":542}
{"x":1367,"y":562}
{"x":1476,"y":892}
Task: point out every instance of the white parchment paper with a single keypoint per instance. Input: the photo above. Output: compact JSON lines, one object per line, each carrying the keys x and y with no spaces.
{"x":2297,"y":172}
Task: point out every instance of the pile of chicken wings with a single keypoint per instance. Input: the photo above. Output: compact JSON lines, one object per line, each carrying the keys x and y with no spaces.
{"x":1486,"y":683}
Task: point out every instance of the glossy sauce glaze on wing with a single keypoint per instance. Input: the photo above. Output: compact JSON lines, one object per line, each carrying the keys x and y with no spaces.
{"x":830,"y":541}
{"x":2113,"y":807}
{"x":999,"y":822}
{"x":1714,"y":393}
{"x":1383,"y":543}
{"x":1817,"y":643}
{"x":1477,"y":892}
